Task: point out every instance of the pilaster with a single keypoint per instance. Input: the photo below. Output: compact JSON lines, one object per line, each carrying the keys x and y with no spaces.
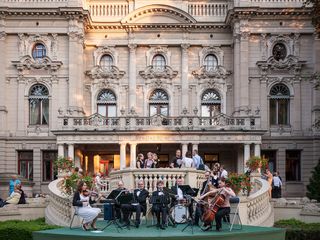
{"x":184,"y":77}
{"x":132,"y":77}
{"x":122,"y":156}
{"x":3,"y":108}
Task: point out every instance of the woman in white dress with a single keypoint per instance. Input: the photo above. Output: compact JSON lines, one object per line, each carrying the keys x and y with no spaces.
{"x":82,"y":201}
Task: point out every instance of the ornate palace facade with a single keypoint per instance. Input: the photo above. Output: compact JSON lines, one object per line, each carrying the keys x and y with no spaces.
{"x":100,"y":81}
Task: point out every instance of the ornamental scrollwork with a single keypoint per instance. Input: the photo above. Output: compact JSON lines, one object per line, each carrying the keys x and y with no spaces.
{"x":152,"y":73}
{"x":27,"y":63}
{"x":204,"y":73}
{"x":99,"y":72}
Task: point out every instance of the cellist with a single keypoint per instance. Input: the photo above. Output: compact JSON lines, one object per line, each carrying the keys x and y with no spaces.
{"x":224,"y":209}
{"x":207,"y":186}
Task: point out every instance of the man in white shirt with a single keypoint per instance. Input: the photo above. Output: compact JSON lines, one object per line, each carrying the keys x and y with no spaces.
{"x":276,"y":186}
{"x":196,"y":158}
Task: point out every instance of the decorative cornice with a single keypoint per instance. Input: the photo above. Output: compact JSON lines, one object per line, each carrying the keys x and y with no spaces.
{"x":3,"y":35}
{"x":150,"y":73}
{"x":98,"y":72}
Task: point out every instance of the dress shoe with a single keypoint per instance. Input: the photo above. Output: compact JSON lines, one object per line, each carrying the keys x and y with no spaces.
{"x":206,"y":228}
{"x":94,"y":227}
{"x":162,"y":227}
{"x":125,"y":224}
{"x":137,"y":224}
{"x":85,"y":227}
{"x":218,"y":229}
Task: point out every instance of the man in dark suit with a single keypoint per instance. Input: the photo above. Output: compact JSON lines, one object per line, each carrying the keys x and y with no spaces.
{"x":160,"y":200}
{"x":138,"y":205}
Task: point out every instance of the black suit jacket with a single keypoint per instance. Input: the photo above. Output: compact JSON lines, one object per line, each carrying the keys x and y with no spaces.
{"x":213,"y":182}
{"x":142,"y":198}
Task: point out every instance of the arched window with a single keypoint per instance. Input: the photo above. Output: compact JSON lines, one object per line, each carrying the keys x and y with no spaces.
{"x":107,"y":103}
{"x":106,"y":62}
{"x":279,"y":51}
{"x":279,"y":105}
{"x":159,"y":103}
{"x":159,"y":63}
{"x":39,"y":105}
{"x":39,"y":51}
{"x":210,"y":62}
{"x":210,"y":103}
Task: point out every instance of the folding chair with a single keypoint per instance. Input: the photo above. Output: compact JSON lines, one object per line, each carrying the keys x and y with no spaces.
{"x":234,"y":203}
{"x":75,"y":213}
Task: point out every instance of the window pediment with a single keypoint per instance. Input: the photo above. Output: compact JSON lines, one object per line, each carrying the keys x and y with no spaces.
{"x":164,"y":13}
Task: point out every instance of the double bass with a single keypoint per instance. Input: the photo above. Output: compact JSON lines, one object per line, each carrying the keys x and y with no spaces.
{"x":212,"y":208}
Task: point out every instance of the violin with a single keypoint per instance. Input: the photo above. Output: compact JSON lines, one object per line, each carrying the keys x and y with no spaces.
{"x":88,"y":193}
{"x":212,"y":208}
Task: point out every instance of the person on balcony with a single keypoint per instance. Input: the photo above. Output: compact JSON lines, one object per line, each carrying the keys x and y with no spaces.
{"x":140,"y":161}
{"x":138,"y":205}
{"x":149,"y":163}
{"x":223,"y":172}
{"x":176,"y":161}
{"x":224,"y":209}
{"x":197,"y":160}
{"x":82,"y":201}
{"x":187,"y":161}
{"x":98,"y":184}
{"x":155,"y":160}
{"x":269,"y":177}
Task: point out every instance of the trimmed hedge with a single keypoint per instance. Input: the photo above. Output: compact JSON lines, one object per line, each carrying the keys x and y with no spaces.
{"x":297,"y":230}
{"x":22,"y":230}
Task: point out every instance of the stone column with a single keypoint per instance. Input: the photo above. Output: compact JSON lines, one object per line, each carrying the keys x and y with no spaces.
{"x":37,"y":170}
{"x":244,"y":70}
{"x":71,"y":151}
{"x":132,"y":77}
{"x":246,"y":155}
{"x":297,"y":107}
{"x":75,"y":67}
{"x":257,"y":151}
{"x":54,"y":104}
{"x":133,"y":155}
{"x":60,"y":150}
{"x":3,"y":108}
{"x":122,"y":156}
{"x":21,"y":106}
{"x":195,"y":147}
{"x":184,"y":77}
{"x":236,"y":74}
{"x":184,"y":150}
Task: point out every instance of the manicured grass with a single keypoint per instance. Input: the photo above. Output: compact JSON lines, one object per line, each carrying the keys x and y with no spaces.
{"x":297,"y":230}
{"x":22,"y":230}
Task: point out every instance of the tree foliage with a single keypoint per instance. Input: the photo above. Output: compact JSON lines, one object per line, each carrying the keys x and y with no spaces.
{"x":314,"y":185}
{"x":315,"y":13}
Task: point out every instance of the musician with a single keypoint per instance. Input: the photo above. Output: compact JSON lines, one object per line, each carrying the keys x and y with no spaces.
{"x":206,"y":186}
{"x":160,"y":200}
{"x":180,"y":196}
{"x":117,"y":205}
{"x":138,"y":205}
{"x":223,"y":210}
{"x":82,"y":201}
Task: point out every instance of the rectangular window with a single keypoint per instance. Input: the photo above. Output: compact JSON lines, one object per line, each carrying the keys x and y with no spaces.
{"x":293,"y":165}
{"x":271,"y":155}
{"x":273,"y":112}
{"x":283,"y":111}
{"x":48,"y":171}
{"x":25,"y":164}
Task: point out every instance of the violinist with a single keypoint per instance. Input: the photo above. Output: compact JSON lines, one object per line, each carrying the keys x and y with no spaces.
{"x":160,"y":200}
{"x":118,"y":205}
{"x":206,"y":187}
{"x":82,"y":201}
{"x":138,"y":205}
{"x":224,"y":209}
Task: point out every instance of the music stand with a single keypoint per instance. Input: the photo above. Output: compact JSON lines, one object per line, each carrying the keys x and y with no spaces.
{"x":190,"y":192}
{"x":113,"y":198}
{"x":125,"y":198}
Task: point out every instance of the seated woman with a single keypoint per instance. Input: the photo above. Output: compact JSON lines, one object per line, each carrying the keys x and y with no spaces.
{"x":13,"y":198}
{"x":82,"y":201}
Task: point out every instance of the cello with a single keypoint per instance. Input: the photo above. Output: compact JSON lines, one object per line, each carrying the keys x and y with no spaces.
{"x":212,"y":208}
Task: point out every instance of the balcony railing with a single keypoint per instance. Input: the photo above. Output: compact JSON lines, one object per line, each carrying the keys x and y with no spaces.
{"x":97,"y":122}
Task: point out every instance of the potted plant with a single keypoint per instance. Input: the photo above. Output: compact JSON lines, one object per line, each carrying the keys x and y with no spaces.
{"x":70,"y":183}
{"x":255,"y":164}
{"x":63,"y":165}
{"x":239,"y":182}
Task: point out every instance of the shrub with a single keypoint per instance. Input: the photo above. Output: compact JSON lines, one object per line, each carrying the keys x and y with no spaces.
{"x":255,"y":162}
{"x":297,"y":230}
{"x":239,"y":182}
{"x":22,"y":230}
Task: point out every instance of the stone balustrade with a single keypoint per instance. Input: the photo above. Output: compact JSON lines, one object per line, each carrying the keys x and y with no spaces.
{"x":208,"y":9}
{"x":277,"y":3}
{"x":59,"y":210}
{"x":256,"y":209}
{"x":105,"y":9}
{"x":41,"y":3}
{"x":219,"y":122}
